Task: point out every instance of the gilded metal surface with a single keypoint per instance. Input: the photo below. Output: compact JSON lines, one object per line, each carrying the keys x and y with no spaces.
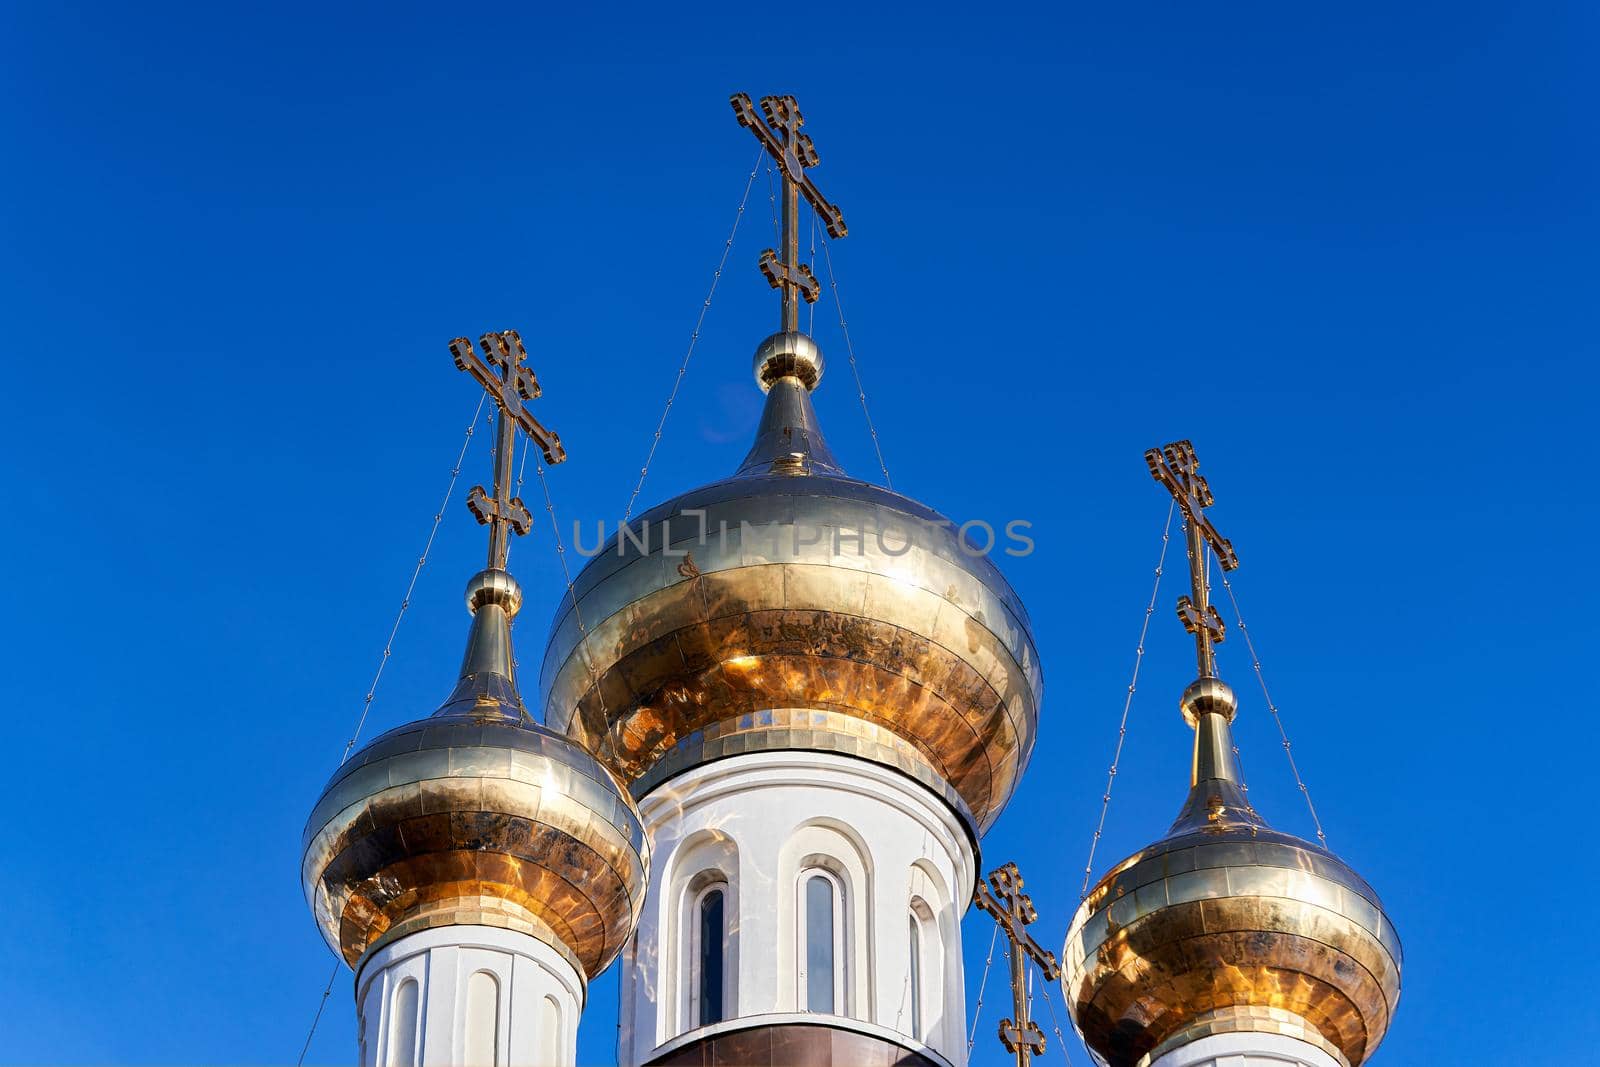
{"x":780,"y":135}
{"x":816,"y":592}
{"x":788,"y":440}
{"x":1208,"y":696}
{"x":1002,"y":898}
{"x":478,"y":815}
{"x":791,"y":586}
{"x":1226,"y":924}
{"x":786,"y":355}
{"x":1239,"y":916}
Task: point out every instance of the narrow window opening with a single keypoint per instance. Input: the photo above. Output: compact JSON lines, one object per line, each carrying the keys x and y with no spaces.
{"x":822,"y":977}
{"x":713,"y":938}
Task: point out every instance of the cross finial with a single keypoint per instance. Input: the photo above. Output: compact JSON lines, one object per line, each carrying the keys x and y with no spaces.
{"x":780,"y":135}
{"x":501,"y":373}
{"x":1177,"y":468}
{"x":1002,"y":897}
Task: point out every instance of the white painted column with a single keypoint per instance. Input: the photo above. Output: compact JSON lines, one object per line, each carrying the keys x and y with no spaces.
{"x":468,"y":996}
{"x":755,"y":823}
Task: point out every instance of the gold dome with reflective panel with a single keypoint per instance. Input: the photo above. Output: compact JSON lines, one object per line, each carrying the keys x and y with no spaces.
{"x":477,"y":815}
{"x":1226,"y":925}
{"x":793,"y":607}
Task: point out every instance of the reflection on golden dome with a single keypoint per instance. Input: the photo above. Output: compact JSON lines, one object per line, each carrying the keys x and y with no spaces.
{"x":812,"y":611}
{"x":1226,"y":924}
{"x":477,"y":815}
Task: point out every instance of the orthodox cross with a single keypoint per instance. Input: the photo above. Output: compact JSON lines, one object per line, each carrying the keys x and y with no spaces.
{"x":1003,"y":898}
{"x":1177,"y":468}
{"x":509,"y":383}
{"x":780,"y":135}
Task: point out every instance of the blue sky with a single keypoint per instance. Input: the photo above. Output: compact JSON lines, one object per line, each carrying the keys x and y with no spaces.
{"x":1349,"y":251}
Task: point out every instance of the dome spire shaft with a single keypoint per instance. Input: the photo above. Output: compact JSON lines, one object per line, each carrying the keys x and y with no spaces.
{"x":1216,"y":795}
{"x":493,"y":596}
{"x":780,"y":135}
{"x":789,"y":439}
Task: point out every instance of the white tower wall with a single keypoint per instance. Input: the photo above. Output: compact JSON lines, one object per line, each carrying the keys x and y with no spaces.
{"x":468,"y":996}
{"x":1247,"y":1050}
{"x":758,"y":826}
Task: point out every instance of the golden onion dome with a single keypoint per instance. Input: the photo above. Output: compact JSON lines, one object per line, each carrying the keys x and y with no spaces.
{"x":1228,"y":925}
{"x":477,"y":815}
{"x":793,"y":607}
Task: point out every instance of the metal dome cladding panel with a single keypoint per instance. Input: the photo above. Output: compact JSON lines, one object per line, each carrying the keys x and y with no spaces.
{"x":769,"y":592}
{"x":1203,"y":923}
{"x":455,"y":819}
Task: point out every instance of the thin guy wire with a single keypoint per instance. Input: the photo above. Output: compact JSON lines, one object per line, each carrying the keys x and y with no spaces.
{"x":1127,"y":703}
{"x":405,"y":602}
{"x":694,"y":338}
{"x":1255,"y":662}
{"x":977,"y":1012}
{"x":833,"y":283}
{"x":561,"y":549}
{"x":772,"y":206}
{"x":522,"y":469}
{"x":811,"y":320}
{"x":388,"y":648}
{"x":566,"y":573}
{"x":323,"y":1003}
{"x":1055,"y":1023}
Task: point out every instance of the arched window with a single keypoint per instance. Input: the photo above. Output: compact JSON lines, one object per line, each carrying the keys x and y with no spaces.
{"x":822,"y":936}
{"x":925,"y":975}
{"x":708,"y":924}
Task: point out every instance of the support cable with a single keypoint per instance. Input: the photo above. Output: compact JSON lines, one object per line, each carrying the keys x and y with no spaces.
{"x":811,"y":307}
{"x":977,"y":1012}
{"x":1127,"y":703}
{"x":1055,"y":1023}
{"x":383,"y":661}
{"x":561,"y":549}
{"x":1283,"y":735}
{"x":772,"y":204}
{"x":694,"y":338}
{"x":405,"y":601}
{"x":861,"y":394}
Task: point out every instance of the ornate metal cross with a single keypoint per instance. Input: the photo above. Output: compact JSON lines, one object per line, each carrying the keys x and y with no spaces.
{"x":1003,"y":898}
{"x":780,"y":135}
{"x":503,"y":377}
{"x":1178,"y":468}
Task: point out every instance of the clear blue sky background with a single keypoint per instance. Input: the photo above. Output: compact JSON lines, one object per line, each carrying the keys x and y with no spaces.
{"x":1349,"y":251}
